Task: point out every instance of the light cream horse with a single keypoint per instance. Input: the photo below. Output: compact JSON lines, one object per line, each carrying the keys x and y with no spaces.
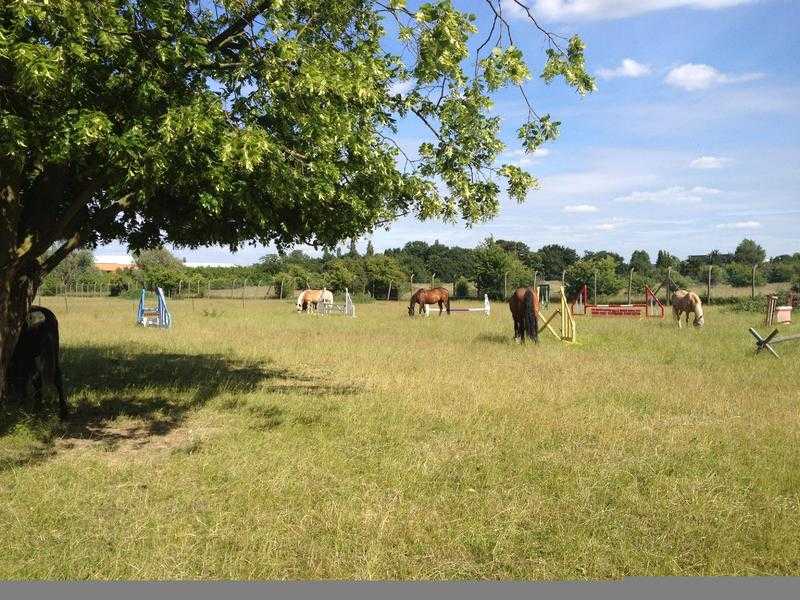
{"x":687,"y":302}
{"x":309,"y":300}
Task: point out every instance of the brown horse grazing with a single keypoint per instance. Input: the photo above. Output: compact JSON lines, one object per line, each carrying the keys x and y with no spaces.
{"x":524,"y":305}
{"x":437,"y":295}
{"x":35,"y":358}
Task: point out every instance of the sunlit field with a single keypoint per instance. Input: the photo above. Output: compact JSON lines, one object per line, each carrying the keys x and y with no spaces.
{"x":251,"y":442}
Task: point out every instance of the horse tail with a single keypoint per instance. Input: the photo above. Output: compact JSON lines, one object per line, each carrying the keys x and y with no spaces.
{"x":531,"y":321}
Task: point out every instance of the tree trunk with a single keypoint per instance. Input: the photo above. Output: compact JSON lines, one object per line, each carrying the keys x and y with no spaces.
{"x":18,"y":286}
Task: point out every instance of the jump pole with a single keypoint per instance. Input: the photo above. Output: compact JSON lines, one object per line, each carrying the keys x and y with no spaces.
{"x":486,"y":309}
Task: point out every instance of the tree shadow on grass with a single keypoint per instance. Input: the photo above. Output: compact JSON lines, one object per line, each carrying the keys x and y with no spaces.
{"x":151,"y":392}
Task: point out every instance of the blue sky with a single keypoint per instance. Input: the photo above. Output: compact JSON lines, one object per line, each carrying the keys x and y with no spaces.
{"x":690,"y":143}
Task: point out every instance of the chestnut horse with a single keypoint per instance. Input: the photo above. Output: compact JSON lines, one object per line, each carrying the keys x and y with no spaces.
{"x":437,"y":295}
{"x":524,"y":305}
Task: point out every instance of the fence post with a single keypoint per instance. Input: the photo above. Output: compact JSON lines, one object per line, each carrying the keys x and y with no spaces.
{"x":594,"y":290}
{"x":669,"y":285}
{"x":708,"y":287}
{"x":753,"y":283}
{"x":389,"y":293}
{"x":244,"y":287}
{"x":630,"y":285}
{"x":505,"y":284}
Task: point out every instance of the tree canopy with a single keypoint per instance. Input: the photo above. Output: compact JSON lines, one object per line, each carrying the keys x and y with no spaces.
{"x":195,"y":122}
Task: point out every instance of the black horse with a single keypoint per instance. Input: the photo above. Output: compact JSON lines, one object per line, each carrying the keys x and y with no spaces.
{"x":35,"y":358}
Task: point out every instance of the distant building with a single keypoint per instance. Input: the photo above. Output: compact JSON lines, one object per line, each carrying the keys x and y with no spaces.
{"x":115,"y":262}
{"x":207,"y":264}
{"x":718,"y":258}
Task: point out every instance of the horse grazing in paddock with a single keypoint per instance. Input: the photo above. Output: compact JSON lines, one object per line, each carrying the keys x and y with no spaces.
{"x":437,"y":295}
{"x":35,"y":358}
{"x":311,"y":298}
{"x":687,"y":302}
{"x":524,"y":305}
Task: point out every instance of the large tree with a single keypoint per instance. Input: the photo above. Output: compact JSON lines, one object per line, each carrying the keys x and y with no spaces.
{"x":195,"y":122}
{"x":749,"y":253}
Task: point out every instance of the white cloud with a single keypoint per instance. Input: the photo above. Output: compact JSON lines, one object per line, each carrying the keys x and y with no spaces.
{"x":402,"y":87}
{"x":709,"y":162}
{"x":740,"y":225}
{"x":564,"y":10}
{"x":604,"y":226}
{"x":669,"y":196}
{"x":522,"y":158}
{"x":579,"y":208}
{"x":627,"y":68}
{"x":692,"y":77}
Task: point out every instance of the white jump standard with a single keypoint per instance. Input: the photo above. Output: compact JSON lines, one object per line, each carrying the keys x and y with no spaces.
{"x":486,"y":309}
{"x":348,"y":309}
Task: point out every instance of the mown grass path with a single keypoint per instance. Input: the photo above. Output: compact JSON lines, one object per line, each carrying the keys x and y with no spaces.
{"x":256,"y":443}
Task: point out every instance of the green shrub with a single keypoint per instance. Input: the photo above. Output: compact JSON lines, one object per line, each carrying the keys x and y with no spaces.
{"x":461,"y":288}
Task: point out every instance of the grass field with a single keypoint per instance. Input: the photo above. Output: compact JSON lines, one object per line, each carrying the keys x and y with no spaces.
{"x":261,"y":444}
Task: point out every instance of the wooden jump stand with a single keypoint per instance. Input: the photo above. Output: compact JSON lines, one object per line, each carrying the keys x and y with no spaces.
{"x":567,"y":333}
{"x":780,"y":315}
{"x":773,"y":338}
{"x":650,"y":308}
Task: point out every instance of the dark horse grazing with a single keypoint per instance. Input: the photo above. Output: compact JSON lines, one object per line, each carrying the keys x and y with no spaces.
{"x":524,"y":305}
{"x":35,"y":358}
{"x":437,"y":295}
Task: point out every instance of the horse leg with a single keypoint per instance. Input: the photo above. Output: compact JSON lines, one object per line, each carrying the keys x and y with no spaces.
{"x":38,"y":380}
{"x":62,"y":397}
{"x":441,"y":307}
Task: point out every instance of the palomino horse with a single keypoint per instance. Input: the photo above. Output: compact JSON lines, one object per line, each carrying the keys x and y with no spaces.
{"x":524,"y":305}
{"x":687,"y":302}
{"x":309,"y":299}
{"x":437,"y":295}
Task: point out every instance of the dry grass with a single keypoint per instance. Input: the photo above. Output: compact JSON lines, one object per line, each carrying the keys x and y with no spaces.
{"x":262,"y":444}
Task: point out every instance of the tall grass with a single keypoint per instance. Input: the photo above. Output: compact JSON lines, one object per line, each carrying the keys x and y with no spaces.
{"x":256,"y":443}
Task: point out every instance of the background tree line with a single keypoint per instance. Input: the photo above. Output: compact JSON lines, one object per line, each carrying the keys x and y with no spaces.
{"x":493,"y":267}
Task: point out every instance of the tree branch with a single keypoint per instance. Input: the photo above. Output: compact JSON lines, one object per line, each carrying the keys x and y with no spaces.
{"x":238,"y":25}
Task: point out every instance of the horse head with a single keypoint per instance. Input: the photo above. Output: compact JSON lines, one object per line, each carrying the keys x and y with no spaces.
{"x":699,"y":321}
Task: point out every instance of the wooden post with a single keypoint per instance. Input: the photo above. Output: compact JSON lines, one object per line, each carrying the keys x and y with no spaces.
{"x":244,"y":287}
{"x":389,"y":293}
{"x":669,"y":286}
{"x":505,"y":284}
{"x":534,"y":282}
{"x":66,"y":304}
{"x":281,"y":296}
{"x":630,"y":285}
{"x":594,"y":291}
{"x":433,"y":279}
{"x":563,"y":277}
{"x":753,"y":283}
{"x":708,"y":287}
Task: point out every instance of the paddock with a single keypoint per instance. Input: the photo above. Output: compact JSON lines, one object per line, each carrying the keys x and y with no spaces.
{"x":248,"y":443}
